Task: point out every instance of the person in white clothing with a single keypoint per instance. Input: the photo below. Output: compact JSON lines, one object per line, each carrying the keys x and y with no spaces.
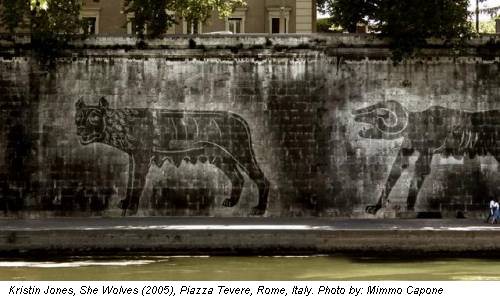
{"x":496,"y":212}
{"x":490,"y":215}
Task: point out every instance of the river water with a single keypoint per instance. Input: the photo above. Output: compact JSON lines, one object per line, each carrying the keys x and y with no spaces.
{"x":251,"y":268}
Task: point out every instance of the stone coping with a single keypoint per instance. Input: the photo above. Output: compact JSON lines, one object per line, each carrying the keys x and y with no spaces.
{"x":351,"y":46}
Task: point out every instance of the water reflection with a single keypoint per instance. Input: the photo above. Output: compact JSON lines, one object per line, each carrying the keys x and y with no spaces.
{"x":251,"y":268}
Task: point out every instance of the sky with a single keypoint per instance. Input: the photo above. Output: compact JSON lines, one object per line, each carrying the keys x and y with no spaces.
{"x":489,"y":3}
{"x":472,"y":7}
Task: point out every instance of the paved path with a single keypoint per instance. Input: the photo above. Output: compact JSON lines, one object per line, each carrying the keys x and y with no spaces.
{"x":253,"y":223}
{"x":248,"y":236}
{"x":244,"y":223}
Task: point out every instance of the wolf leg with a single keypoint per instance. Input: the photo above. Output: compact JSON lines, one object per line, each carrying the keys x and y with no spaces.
{"x":229,"y":168}
{"x":244,"y":158}
{"x":416,"y":184}
{"x":131,"y":172}
{"x":402,"y":162}
{"x":422,"y":169}
{"x":138,"y":169}
{"x":256,"y":174}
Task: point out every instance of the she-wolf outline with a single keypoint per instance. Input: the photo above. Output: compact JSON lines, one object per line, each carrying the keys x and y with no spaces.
{"x":436,"y":130}
{"x":153,"y":136}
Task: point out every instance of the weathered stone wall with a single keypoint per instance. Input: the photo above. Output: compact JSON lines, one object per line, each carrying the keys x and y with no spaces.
{"x":292,"y":104}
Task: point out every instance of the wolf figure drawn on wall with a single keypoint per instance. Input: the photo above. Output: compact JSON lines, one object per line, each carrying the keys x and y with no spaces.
{"x":153,"y":136}
{"x":436,"y":130}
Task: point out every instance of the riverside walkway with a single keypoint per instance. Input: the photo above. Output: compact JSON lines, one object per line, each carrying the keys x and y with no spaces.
{"x":248,"y":236}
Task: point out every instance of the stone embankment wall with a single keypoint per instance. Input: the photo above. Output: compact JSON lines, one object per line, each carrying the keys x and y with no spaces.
{"x":249,"y":125}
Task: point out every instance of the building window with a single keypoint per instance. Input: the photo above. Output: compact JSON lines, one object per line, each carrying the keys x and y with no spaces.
{"x":278,"y":19}
{"x":191,"y":27}
{"x":131,"y":25}
{"x":275,"y":25}
{"x":235,"y":25}
{"x":90,"y":21}
{"x":236,"y":22}
{"x":89,"y":25}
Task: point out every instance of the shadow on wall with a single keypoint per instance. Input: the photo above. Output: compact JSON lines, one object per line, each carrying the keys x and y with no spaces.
{"x":296,"y":111}
{"x":19,"y":153}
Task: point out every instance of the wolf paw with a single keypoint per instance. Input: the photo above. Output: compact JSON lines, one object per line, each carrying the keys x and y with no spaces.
{"x":228,"y":202}
{"x":372,"y":209}
{"x":258,"y":211}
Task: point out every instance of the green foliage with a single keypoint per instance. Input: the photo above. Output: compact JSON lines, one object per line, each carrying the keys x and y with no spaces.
{"x":488,"y":27}
{"x":51,"y":23}
{"x":53,"y":17}
{"x":407,"y":23}
{"x":54,"y":25}
{"x":347,"y":13}
{"x":324,"y":25}
{"x":152,"y":14}
{"x":446,"y":19}
{"x":13,"y":14}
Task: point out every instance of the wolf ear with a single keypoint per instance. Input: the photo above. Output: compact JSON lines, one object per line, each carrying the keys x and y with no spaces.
{"x":103,"y":103}
{"x":80,"y":103}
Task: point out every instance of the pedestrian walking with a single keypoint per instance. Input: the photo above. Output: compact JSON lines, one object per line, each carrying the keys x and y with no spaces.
{"x":496,"y":212}
{"x":491,"y":212}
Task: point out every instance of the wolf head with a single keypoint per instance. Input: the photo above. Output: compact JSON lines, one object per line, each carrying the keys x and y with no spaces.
{"x":99,"y":123}
{"x":90,"y":121}
{"x":387,"y":120}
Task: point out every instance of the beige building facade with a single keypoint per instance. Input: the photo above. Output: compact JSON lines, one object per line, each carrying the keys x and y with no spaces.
{"x":259,"y":16}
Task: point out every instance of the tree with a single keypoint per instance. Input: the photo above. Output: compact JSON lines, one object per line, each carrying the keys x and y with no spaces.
{"x":407,"y":23}
{"x":348,"y":13}
{"x":477,"y":12}
{"x":51,"y":23}
{"x":153,"y":14}
{"x":54,"y":23}
{"x":13,"y":14}
{"x":423,"y":19}
{"x":42,"y":16}
{"x":323,"y":25}
{"x":488,"y":27}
